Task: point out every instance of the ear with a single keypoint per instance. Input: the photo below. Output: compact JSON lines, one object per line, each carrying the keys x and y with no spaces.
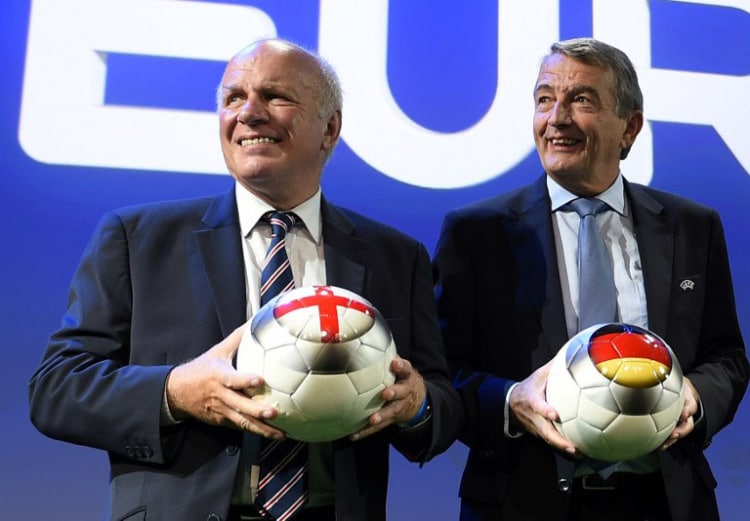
{"x":633,"y":125}
{"x":331,"y":135}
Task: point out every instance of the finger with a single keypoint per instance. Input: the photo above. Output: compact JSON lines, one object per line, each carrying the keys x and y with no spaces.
{"x":401,"y":368}
{"x":559,"y":442}
{"x":547,"y":431}
{"x":249,"y":384}
{"x":387,"y":413}
{"x":258,"y":427}
{"x":400,"y":390}
{"x":683,"y":429}
{"x":375,"y":424}
{"x":250,"y":406}
{"x":546,"y":411}
{"x":251,"y":415}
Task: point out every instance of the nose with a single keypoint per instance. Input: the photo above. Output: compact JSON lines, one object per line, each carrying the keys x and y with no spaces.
{"x":252,"y":112}
{"x":559,"y":115}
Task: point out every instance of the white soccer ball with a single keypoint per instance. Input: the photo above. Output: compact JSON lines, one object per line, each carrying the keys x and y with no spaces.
{"x":618,"y":390}
{"x":325,"y":354}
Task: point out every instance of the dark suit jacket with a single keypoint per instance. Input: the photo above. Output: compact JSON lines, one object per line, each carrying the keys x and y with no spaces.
{"x":501,"y":309}
{"x":158,"y":285}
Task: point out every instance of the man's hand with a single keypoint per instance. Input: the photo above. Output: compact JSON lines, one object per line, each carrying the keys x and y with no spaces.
{"x":403,"y":399}
{"x":209,"y":389}
{"x":529,"y":407}
{"x":686,"y":423}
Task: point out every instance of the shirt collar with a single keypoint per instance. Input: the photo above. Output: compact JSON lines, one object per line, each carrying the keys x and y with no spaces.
{"x":614,"y":196}
{"x":251,"y":208}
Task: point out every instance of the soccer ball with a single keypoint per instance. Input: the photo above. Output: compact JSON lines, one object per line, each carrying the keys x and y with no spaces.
{"x":325,"y":355}
{"x":618,"y":391}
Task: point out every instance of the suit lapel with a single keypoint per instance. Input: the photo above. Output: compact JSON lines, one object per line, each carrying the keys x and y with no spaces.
{"x":220,"y":250}
{"x":534,"y":247}
{"x":655,"y":236}
{"x":344,"y":253}
{"x":221,"y":256}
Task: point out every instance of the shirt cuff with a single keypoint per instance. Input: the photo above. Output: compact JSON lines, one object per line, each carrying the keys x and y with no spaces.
{"x":507,"y":429}
{"x":166,"y":419}
{"x":698,"y":416}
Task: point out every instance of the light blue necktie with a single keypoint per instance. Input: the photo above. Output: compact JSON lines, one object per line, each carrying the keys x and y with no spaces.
{"x":597,"y":295}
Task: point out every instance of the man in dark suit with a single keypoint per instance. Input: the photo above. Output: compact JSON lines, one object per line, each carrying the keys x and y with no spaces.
{"x":142,"y":366}
{"x":508,"y":300}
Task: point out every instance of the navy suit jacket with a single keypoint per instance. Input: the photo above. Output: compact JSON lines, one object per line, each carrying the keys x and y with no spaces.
{"x":501,"y":309}
{"x":161,"y":283}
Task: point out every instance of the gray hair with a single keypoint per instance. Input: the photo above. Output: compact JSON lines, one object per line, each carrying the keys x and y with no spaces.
{"x":628,"y":95}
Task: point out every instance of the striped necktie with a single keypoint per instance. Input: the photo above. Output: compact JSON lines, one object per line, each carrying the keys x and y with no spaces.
{"x":276,"y":277}
{"x":282,"y":490}
{"x":597,"y":295}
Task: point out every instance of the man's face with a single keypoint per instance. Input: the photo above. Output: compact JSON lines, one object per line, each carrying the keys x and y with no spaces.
{"x":273,"y":138}
{"x":577,"y":131}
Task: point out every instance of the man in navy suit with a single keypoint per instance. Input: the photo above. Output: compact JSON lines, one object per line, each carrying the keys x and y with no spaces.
{"x":142,"y":366}
{"x":508,"y":300}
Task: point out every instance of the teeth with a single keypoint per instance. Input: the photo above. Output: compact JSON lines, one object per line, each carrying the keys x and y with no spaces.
{"x":566,"y":141}
{"x":258,"y":141}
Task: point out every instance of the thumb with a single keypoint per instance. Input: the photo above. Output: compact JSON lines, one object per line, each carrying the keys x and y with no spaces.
{"x":228,"y":347}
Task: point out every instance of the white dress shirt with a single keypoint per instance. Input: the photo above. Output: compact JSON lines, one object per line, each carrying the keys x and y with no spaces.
{"x":304,"y":244}
{"x":617,"y":229}
{"x":304,"y":247}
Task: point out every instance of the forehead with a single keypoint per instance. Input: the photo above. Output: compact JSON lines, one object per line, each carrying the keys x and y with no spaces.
{"x":560,"y":71}
{"x":266,"y":64}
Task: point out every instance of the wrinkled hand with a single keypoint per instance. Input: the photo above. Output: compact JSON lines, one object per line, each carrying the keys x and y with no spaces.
{"x":402,"y":399}
{"x":529,"y":407}
{"x":686,"y":423}
{"x":211,"y":390}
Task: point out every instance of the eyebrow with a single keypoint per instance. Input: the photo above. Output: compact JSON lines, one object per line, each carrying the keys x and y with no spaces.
{"x":584,"y":89}
{"x":573,"y":91}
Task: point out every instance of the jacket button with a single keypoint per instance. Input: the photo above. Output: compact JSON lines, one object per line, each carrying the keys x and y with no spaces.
{"x":213,"y":517}
{"x":563,"y":485}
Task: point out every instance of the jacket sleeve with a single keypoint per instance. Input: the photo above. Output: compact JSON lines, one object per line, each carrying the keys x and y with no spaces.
{"x":427,"y":355}
{"x":86,"y":391}
{"x":482,"y":393}
{"x":720,"y":368}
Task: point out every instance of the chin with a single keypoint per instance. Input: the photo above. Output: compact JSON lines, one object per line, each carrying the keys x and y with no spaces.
{"x":562,"y":171}
{"x":566,"y":177}
{"x":253,"y":169}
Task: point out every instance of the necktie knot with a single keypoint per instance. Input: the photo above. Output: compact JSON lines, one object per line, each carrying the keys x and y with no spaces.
{"x":585,"y":207}
{"x":281,"y":222}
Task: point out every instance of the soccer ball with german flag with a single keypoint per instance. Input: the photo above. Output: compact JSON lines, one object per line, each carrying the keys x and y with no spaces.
{"x":618,"y":391}
{"x":325,"y":354}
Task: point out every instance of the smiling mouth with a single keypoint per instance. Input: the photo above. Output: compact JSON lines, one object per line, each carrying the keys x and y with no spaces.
{"x":258,"y":141}
{"x":564,"y":142}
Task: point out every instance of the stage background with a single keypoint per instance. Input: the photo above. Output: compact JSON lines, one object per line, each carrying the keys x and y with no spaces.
{"x":106,"y":103}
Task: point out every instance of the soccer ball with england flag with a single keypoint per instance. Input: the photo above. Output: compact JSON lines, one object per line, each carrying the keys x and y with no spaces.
{"x":325,"y":354}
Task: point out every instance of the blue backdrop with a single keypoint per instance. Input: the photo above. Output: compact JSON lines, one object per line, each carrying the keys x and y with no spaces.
{"x":103,"y":106}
